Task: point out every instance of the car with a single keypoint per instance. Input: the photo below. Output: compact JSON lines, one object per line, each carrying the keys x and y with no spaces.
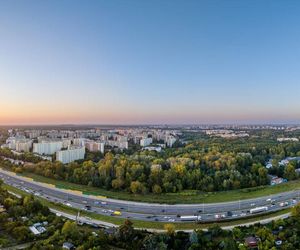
{"x":96,"y":202}
{"x":252,"y":204}
{"x":68,"y":204}
{"x":229,"y":214}
{"x":284,"y":204}
{"x":243,"y":214}
{"x":268,"y":200}
{"x":103,"y":202}
{"x":84,"y":202}
{"x":87,"y":208}
{"x":171,"y":220}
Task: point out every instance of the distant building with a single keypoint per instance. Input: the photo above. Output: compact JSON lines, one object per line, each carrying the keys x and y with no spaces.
{"x":95,"y":146}
{"x":170,"y":140}
{"x":157,"y":149}
{"x":66,"y":142}
{"x":47,"y":148}
{"x":23,"y":145}
{"x":287,"y":139}
{"x":119,"y":144}
{"x":11,"y":141}
{"x":146,"y":142}
{"x":70,"y":155}
{"x":79,"y":142}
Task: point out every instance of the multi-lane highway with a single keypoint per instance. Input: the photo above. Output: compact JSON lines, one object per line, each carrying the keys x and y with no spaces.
{"x":153,"y":211}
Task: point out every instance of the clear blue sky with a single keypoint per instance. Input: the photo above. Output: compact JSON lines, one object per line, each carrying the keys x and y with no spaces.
{"x":149,"y":61}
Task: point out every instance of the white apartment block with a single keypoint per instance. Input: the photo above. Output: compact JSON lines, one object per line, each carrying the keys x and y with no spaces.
{"x":23,"y":145}
{"x":11,"y":141}
{"x":93,"y":146}
{"x":146,"y":142}
{"x":119,"y":144}
{"x":47,"y":148}
{"x":170,"y":140}
{"x":79,"y":142}
{"x":66,"y":142}
{"x":70,"y":155}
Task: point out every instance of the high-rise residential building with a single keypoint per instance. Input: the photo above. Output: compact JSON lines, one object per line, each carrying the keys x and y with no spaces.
{"x":23,"y":145}
{"x":119,"y":144}
{"x":71,"y":154}
{"x":11,"y":141}
{"x":94,"y":146}
{"x":170,"y":140}
{"x":66,"y":142}
{"x":47,"y":147}
{"x":146,"y":142}
{"x":79,"y":142}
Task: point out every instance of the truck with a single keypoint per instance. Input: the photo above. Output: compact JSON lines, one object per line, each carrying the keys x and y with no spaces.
{"x":190,"y":218}
{"x":258,"y":210}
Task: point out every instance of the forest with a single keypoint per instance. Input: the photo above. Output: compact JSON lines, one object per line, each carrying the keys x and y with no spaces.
{"x":203,"y":164}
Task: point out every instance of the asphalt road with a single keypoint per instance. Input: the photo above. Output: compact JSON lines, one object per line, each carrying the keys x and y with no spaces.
{"x":153,"y":211}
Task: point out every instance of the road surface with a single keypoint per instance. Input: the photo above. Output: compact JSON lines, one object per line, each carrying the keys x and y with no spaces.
{"x":151,"y":211}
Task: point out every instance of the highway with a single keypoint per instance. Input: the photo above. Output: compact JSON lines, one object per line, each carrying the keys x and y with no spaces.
{"x":151,"y":211}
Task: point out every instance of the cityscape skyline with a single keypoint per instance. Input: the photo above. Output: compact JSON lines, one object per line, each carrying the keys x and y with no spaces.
{"x":119,"y":62}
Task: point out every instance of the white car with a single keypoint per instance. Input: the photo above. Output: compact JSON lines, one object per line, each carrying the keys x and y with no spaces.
{"x":68,"y":204}
{"x":171,"y":220}
{"x":284,"y":204}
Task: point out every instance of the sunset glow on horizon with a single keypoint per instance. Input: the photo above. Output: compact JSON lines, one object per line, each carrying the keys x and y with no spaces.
{"x":106,"y":63}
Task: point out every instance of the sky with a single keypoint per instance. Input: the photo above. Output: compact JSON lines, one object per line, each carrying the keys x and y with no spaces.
{"x":149,"y":62}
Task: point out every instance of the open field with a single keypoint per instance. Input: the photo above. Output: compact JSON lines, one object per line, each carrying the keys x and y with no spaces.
{"x":186,"y":197}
